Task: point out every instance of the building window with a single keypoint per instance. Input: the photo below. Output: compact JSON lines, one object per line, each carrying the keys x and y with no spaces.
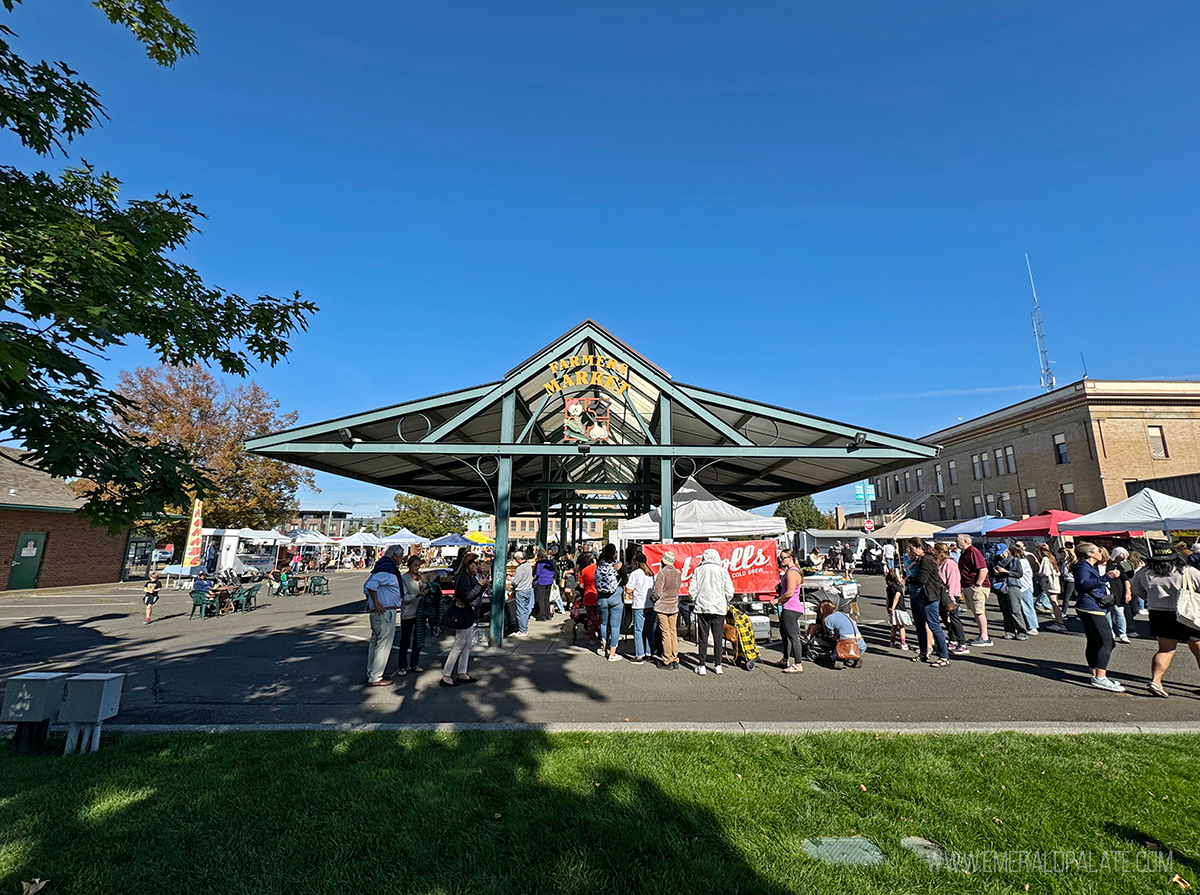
{"x":952,"y":467}
{"x":1001,"y":467}
{"x":921,"y":512}
{"x":1066,"y":497}
{"x":1031,"y":500}
{"x":976,"y":469}
{"x":991,"y":504}
{"x":907,"y":482}
{"x":878,"y":487}
{"x":1012,"y":460}
{"x":888,"y":482}
{"x":977,"y":501}
{"x":1006,"y":503}
{"x":1060,"y":449}
{"x":512,"y":524}
{"x":1158,"y":442}
{"x":920,"y":480}
{"x":937,"y":478}
{"x":941,"y":511}
{"x":957,"y":508}
{"x":896,"y":484}
{"x":987,"y":465}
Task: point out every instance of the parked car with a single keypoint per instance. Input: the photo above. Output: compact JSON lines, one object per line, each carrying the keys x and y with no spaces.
{"x":163,"y":556}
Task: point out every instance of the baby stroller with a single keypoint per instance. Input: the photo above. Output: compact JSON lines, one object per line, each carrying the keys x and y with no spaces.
{"x":739,"y":633}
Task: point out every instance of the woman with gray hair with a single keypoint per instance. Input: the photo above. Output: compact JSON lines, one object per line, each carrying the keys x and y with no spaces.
{"x":665,"y":598}
{"x":1092,"y":600}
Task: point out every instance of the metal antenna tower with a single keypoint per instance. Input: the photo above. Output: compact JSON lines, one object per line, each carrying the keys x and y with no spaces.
{"x":1040,"y":335}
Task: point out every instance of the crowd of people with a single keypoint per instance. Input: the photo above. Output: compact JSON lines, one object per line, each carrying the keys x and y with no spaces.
{"x":935,"y":589}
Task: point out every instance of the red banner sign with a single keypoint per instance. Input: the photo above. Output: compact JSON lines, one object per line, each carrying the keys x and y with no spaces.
{"x":753,"y":565}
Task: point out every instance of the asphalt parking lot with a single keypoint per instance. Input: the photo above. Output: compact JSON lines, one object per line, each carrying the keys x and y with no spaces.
{"x":301,"y":660}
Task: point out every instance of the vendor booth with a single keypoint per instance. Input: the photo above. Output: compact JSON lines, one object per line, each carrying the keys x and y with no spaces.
{"x":700,"y":515}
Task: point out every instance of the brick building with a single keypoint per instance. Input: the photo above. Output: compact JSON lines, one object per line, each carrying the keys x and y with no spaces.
{"x":334,"y":524}
{"x":1075,"y":448}
{"x":44,"y":540}
{"x":523,"y":529}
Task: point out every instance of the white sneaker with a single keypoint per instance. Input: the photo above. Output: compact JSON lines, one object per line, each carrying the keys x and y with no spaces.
{"x":717,"y":670}
{"x":1106,"y":683}
{"x":701,"y":670}
{"x":1122,"y":639}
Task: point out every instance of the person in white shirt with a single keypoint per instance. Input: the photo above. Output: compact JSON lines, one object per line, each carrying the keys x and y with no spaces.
{"x":889,"y":556}
{"x":383,"y":599}
{"x":711,"y":589}
{"x":638,"y":587}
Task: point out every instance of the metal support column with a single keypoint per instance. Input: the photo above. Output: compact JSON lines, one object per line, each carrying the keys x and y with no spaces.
{"x":563,"y":539}
{"x":666,"y":497}
{"x":544,"y":520}
{"x":508,"y":412}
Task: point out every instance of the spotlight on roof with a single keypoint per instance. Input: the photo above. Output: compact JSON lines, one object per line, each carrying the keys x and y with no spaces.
{"x":348,"y":438}
{"x":860,"y":438}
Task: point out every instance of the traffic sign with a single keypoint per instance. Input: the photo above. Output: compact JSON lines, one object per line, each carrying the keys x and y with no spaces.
{"x":868,"y":525}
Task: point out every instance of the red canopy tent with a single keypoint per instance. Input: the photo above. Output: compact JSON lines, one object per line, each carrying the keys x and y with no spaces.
{"x":1048,"y":525}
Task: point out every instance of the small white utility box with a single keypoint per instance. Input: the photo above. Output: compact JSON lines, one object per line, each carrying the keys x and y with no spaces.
{"x":35,"y":696}
{"x":88,"y":701}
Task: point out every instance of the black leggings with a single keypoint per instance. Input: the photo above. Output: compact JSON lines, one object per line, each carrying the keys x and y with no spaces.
{"x":715,"y":624}
{"x":789,"y":622}
{"x":408,"y":629}
{"x":1099,"y":636}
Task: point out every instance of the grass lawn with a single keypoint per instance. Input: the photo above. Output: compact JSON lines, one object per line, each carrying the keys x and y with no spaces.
{"x":589,"y":813}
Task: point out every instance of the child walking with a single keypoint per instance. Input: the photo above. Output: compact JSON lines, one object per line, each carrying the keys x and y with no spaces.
{"x":897,"y":608}
{"x":150,"y":594}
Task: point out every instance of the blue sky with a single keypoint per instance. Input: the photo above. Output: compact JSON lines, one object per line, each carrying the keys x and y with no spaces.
{"x":819,"y":205}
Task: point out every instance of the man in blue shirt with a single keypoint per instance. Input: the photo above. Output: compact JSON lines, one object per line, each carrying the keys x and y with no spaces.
{"x":383,"y":599}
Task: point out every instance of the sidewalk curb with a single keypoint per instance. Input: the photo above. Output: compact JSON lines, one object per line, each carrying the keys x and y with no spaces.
{"x":1035,"y":728}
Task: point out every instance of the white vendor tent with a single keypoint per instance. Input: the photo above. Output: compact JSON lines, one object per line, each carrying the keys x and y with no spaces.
{"x":307,"y":537}
{"x":405,"y":538}
{"x":361,"y":539}
{"x":1148,"y":510}
{"x":700,"y":515}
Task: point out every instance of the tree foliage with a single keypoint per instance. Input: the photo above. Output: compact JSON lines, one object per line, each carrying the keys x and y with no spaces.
{"x":81,"y":272}
{"x":425,"y":516}
{"x":191,"y":408}
{"x":800,"y":513}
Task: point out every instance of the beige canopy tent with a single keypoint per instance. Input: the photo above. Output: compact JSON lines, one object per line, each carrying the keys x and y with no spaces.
{"x":905,"y":528}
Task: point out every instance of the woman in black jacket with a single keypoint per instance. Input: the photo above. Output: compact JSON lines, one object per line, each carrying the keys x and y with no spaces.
{"x":468,"y":604}
{"x":925,"y":594}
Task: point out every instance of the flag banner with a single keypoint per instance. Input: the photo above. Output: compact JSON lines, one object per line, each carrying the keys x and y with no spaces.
{"x":191,"y":555}
{"x":753,"y":565}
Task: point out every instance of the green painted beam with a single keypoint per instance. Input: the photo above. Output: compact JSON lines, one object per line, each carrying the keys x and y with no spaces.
{"x":508,"y":412}
{"x":666,"y":494}
{"x":606,"y":450}
{"x":330,"y":427}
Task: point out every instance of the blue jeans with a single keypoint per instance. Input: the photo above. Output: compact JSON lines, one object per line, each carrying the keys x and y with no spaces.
{"x":1116,"y":615}
{"x":643,"y":633}
{"x":1027,"y":608}
{"x":524,"y":607}
{"x":611,"y":607}
{"x":558,"y":601}
{"x":930,"y":612}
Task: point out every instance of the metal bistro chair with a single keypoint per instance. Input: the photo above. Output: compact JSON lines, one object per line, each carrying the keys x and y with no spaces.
{"x":204,"y":601}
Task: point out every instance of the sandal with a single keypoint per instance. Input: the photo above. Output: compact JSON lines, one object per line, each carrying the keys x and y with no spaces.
{"x":416,"y":669}
{"x":464,"y":679}
{"x":445,"y":683}
{"x":793,"y":669}
{"x":1157,"y":690}
{"x":924,"y":657}
{"x":939,"y":663}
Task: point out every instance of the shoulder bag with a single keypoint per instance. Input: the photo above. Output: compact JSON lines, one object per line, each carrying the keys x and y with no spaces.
{"x":1187,"y":610}
{"x":846,"y":649}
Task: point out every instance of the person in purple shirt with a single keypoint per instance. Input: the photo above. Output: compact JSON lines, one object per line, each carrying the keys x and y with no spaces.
{"x":543,"y":579}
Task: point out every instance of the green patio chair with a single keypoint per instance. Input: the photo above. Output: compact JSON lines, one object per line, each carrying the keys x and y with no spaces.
{"x":252,"y":595}
{"x":238,"y":599}
{"x":204,"y":601}
{"x":318,"y":585}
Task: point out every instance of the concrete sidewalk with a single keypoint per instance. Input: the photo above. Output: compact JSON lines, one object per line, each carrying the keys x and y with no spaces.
{"x":301,"y":661}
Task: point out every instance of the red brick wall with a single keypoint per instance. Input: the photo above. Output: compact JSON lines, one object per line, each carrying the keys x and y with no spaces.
{"x":76,"y":552}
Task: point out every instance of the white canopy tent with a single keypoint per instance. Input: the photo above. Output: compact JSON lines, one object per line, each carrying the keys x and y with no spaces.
{"x":405,"y":538}
{"x":1148,"y":510}
{"x":700,"y":515}
{"x":361,"y":539}
{"x":307,"y":537}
